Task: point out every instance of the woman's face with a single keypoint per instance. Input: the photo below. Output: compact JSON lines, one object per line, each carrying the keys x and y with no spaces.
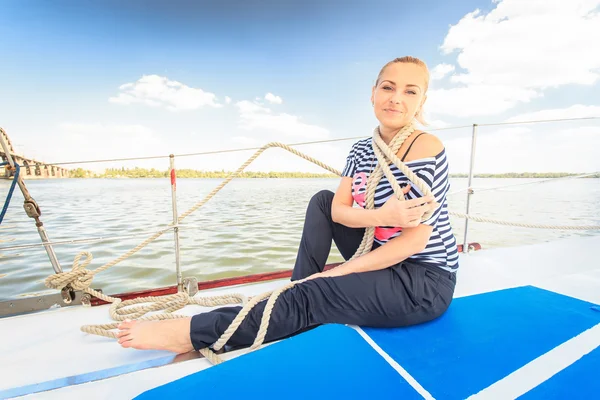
{"x":399,"y":95}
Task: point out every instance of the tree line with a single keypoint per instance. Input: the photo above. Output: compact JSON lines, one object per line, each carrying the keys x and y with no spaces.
{"x":190,"y":173}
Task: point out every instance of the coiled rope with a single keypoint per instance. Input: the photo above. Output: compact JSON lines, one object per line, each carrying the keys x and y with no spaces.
{"x":80,"y":278}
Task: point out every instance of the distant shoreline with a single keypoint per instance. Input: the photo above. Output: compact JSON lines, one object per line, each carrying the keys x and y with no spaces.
{"x":189,"y":173}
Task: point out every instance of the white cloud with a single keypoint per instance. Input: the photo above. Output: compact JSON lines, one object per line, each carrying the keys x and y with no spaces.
{"x":575,"y":111}
{"x":531,"y":148}
{"x":105,"y":131}
{"x":435,"y":124}
{"x":477,"y":100}
{"x":159,"y":91}
{"x":441,"y":70}
{"x":271,"y":98}
{"x":257,"y":117}
{"x":76,"y":141}
{"x":247,"y":107}
{"x":277,"y":159}
{"x":245,"y":141}
{"x":515,"y":52}
{"x":227,"y":99}
{"x":272,"y":159}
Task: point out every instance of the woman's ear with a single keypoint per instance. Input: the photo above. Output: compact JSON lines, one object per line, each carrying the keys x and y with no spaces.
{"x":373,"y":95}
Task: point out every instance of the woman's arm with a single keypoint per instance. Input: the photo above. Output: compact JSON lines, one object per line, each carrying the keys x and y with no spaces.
{"x":397,"y":213}
{"x":410,"y":242}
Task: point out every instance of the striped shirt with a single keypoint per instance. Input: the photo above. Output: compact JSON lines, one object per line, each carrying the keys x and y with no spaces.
{"x":441,"y":249}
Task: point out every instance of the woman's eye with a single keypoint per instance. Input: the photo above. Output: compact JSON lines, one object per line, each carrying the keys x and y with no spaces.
{"x":411,"y":92}
{"x":387,"y":88}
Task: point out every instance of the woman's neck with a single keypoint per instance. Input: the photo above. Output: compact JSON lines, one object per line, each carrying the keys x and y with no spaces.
{"x":388,"y":134}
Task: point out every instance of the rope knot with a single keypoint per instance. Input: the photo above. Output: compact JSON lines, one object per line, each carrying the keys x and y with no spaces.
{"x":79,"y":277}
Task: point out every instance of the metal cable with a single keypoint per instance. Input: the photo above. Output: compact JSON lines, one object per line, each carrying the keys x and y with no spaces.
{"x":305,"y":143}
{"x":484,"y":189}
{"x":537,"y":121}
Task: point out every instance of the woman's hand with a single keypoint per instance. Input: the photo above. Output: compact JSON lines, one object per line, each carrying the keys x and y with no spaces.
{"x":330,"y":273}
{"x":405,"y":214}
{"x":314,"y":276}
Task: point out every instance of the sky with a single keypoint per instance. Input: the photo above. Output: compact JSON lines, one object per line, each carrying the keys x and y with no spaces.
{"x":85,"y":80}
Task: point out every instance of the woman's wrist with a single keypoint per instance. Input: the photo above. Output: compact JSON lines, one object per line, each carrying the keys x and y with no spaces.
{"x":356,"y":217}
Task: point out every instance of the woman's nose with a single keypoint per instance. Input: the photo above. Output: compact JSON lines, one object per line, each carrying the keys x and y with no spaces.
{"x":396,"y":98}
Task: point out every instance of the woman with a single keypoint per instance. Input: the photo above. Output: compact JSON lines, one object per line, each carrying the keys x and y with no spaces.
{"x":407,"y":278}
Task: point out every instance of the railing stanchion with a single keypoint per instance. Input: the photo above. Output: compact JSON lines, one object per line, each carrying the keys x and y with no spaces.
{"x":175,"y":223}
{"x":469,"y":188}
{"x":30,"y":205}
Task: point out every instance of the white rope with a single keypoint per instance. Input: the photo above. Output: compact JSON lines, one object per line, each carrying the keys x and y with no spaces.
{"x":524,"y":225}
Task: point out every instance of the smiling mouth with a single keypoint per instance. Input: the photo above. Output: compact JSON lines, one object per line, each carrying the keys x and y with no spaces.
{"x":392,"y":110}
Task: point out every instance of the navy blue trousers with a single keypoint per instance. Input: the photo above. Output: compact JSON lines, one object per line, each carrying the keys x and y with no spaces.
{"x":404,"y":294}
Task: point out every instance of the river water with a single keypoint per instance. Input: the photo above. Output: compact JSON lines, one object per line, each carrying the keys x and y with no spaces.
{"x":252,"y":225}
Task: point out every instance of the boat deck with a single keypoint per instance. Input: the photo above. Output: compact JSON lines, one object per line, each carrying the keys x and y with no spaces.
{"x":550,"y":317}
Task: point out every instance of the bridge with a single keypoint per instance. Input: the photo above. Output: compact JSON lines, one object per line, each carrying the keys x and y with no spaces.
{"x":31,"y":169}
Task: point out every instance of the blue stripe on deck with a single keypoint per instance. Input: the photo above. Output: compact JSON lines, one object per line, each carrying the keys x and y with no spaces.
{"x":329,"y":362}
{"x":578,"y":381}
{"x":483,"y":338}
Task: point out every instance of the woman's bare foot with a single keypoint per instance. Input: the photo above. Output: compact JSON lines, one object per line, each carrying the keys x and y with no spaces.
{"x":170,"y":334}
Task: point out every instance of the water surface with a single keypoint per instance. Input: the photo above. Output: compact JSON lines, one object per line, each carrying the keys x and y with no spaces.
{"x":252,"y":225}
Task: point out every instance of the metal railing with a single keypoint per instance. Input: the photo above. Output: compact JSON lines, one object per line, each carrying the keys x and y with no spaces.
{"x":175,"y":226}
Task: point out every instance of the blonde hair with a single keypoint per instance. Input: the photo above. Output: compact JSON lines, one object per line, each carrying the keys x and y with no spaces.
{"x":410,"y":60}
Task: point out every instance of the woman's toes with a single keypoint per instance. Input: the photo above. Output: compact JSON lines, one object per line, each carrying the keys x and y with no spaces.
{"x":123,"y":333}
{"x":127,"y":324}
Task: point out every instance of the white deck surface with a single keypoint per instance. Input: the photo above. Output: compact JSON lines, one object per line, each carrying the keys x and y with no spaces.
{"x":46,"y":346}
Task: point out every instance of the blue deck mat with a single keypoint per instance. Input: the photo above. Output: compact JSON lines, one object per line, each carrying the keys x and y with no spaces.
{"x":329,"y":362}
{"x":578,"y":381}
{"x":483,"y":338}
